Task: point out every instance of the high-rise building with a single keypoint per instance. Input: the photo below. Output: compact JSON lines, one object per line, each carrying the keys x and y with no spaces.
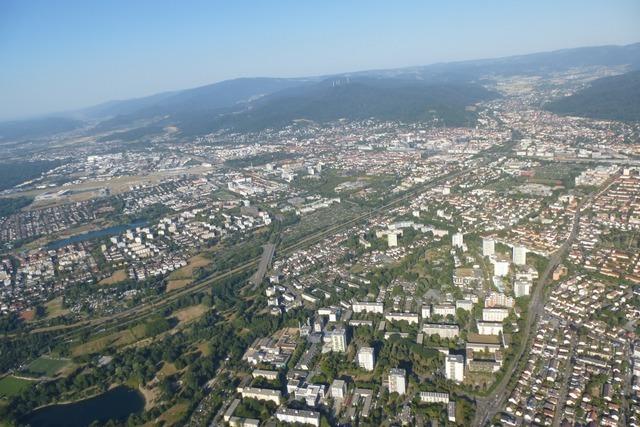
{"x":397,"y":381}
{"x":338,"y":340}
{"x":338,"y":389}
{"x":392,"y":239}
{"x":366,"y":358}
{"x":426,"y":311}
{"x":457,"y":240}
{"x":522,"y":288}
{"x":488,"y":246}
{"x":454,"y":367}
{"x":500,"y":265}
{"x":498,"y":299}
{"x":519,"y":255}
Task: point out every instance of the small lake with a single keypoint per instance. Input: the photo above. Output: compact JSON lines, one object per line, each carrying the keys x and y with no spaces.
{"x":116,"y":404}
{"x":103,"y":232}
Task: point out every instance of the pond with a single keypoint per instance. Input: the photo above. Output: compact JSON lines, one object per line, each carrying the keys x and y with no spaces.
{"x":104,"y":232}
{"x":116,"y":404}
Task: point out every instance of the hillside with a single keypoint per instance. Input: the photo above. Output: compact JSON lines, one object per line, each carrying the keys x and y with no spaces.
{"x":35,"y":128}
{"x":439,"y":91}
{"x":609,"y":98}
{"x":382,"y":99}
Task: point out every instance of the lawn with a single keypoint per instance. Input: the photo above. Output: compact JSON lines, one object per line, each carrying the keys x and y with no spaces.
{"x":184,"y":276}
{"x":12,"y":386}
{"x":116,"y":339}
{"x":46,"y":366}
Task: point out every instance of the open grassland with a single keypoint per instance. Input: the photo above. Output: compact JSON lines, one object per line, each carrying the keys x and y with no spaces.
{"x":116,"y":339}
{"x":46,"y":366}
{"x":11,"y":386}
{"x":188,"y":314}
{"x":185,"y":275}
{"x":54,"y":308}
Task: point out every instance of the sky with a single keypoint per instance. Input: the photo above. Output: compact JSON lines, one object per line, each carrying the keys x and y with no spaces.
{"x":65,"y":54}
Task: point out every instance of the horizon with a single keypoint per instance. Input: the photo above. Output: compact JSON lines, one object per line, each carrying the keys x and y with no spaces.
{"x":73,"y":61}
{"x":68,"y":112}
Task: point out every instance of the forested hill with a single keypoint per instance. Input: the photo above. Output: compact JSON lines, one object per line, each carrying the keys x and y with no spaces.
{"x":330,"y":100}
{"x":609,"y":98}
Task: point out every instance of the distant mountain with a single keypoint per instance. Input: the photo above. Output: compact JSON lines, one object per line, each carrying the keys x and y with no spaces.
{"x":608,"y":98}
{"x":213,"y":97}
{"x":36,"y":128}
{"x":413,"y":93}
{"x":354,"y":99}
{"x":541,"y":63}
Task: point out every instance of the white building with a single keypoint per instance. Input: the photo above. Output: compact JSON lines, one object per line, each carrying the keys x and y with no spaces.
{"x":488,"y":246}
{"x":397,"y":317}
{"x":522,"y":288}
{"x":500,"y":266}
{"x":426,"y":311}
{"x":494,"y":314}
{"x":464,"y":304}
{"x":338,"y":389}
{"x":454,"y":367}
{"x":338,"y":339}
{"x":433,"y":397}
{"x":260,"y":394}
{"x":489,"y":328}
{"x":441,"y":329}
{"x":397,"y":381}
{"x":519,"y":255}
{"x":366,"y":358}
{"x":298,"y":416}
{"x":392,"y":239}
{"x":457,"y":240}
{"x":444,"y":309}
{"x":367,"y":307}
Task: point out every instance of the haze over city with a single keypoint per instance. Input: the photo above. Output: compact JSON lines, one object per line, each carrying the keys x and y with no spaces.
{"x":74,"y":54}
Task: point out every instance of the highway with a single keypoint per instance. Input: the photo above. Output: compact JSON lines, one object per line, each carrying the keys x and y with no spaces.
{"x":267,"y":255}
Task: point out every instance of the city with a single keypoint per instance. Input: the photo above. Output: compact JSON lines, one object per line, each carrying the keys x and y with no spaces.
{"x":477,"y":266}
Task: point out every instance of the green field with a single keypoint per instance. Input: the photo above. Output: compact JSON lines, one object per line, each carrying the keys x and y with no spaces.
{"x":45,"y":366}
{"x":12,"y":386}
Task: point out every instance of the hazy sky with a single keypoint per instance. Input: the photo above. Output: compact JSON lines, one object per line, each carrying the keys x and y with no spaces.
{"x":59,"y":55}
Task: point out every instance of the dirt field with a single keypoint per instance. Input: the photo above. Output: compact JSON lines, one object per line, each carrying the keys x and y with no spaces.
{"x":190,"y":313}
{"x":178,"y":284}
{"x":117,"y":276}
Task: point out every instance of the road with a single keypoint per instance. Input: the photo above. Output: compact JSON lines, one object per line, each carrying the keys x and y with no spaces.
{"x":487,"y":408}
{"x":564,"y":389}
{"x":267,"y":255}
